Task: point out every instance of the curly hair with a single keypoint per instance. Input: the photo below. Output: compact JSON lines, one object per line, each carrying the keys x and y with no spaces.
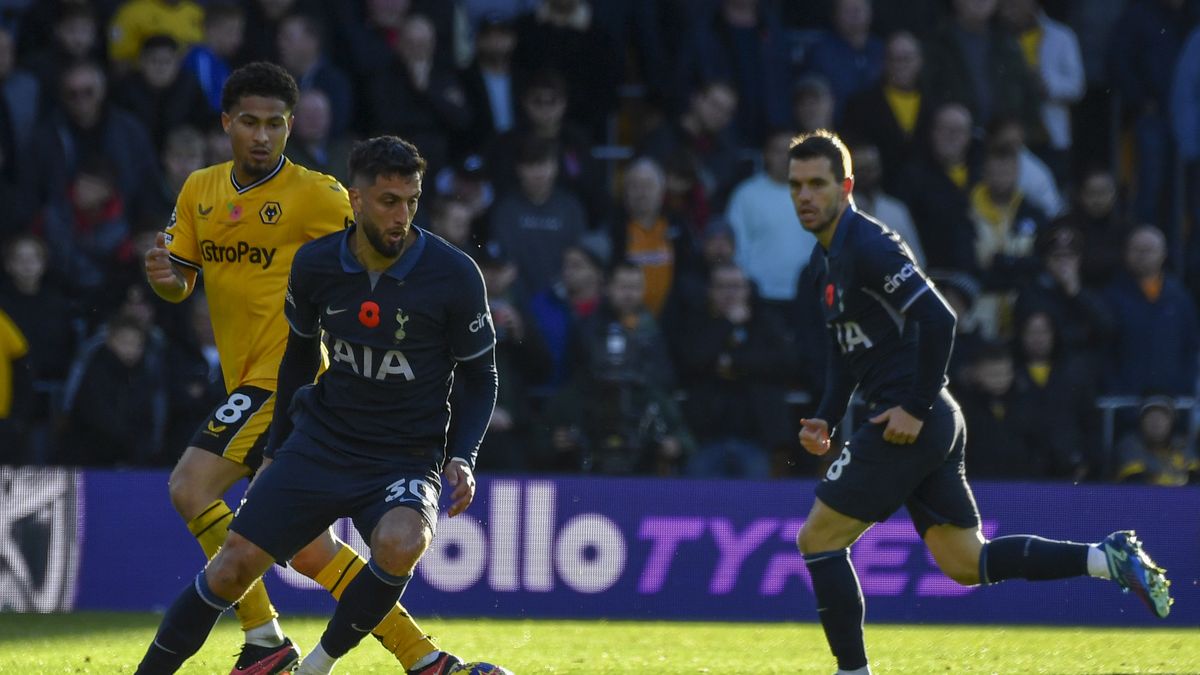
{"x":384,"y":156}
{"x":259,"y":78}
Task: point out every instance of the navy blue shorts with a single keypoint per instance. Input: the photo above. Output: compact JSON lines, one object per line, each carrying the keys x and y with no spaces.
{"x":308,"y":487}
{"x":872,"y":478}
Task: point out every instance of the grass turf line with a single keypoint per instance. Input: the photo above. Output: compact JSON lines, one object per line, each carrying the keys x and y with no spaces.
{"x":89,"y":642}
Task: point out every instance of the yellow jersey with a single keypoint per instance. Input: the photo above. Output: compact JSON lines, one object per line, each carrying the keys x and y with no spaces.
{"x":243,"y":238}
{"x":137,"y":20}
{"x":13,"y":346}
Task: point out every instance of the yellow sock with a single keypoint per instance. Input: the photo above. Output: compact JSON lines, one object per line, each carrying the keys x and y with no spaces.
{"x":210,"y":528}
{"x":398,"y":632}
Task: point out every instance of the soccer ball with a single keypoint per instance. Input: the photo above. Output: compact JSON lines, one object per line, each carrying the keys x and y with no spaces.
{"x":479,"y":668}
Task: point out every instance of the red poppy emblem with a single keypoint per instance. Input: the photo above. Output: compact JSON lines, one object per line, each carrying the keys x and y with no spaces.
{"x":368,"y":314}
{"x":829,"y":295}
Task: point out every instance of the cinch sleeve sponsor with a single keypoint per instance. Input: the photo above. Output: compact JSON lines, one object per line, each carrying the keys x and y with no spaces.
{"x":471,"y":330}
{"x":885,"y":269}
{"x":181,"y":228}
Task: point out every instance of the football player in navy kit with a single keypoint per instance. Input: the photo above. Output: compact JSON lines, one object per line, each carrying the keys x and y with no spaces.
{"x":406,"y":314}
{"x":891,"y":335}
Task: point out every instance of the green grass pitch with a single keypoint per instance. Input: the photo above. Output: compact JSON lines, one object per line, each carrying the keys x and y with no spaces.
{"x":114,"y":642}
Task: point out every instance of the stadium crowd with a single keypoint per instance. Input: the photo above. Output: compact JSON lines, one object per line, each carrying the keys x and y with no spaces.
{"x":618,"y":168}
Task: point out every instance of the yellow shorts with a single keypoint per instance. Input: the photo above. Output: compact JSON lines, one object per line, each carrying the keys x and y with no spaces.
{"x":238,"y":428}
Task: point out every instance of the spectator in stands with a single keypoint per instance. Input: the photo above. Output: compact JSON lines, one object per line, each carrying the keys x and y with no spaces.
{"x":1051,"y":52}
{"x":645,"y":236}
{"x":685,"y":198}
{"x":848,"y":56}
{"x":490,"y":83}
{"x":93,"y":237}
{"x":543,"y":116}
{"x":895,"y":113}
{"x":919,"y":18}
{"x":1185,"y":117}
{"x":263,"y":18}
{"x":313,"y":142}
{"x":522,"y":358}
{"x":689,"y":292}
{"x":1081,"y":316}
{"x":89,"y":127}
{"x":1006,"y":225}
{"x":450,"y":219}
{"x":19,"y":97}
{"x":870,"y":198}
{"x":1034,"y":178}
{"x":159,"y":93}
{"x":17,"y":211}
{"x":935,"y":186}
{"x":743,"y":43}
{"x":812,"y":104}
{"x":641,"y":29}
{"x":76,"y":37}
{"x":1097,"y":217}
{"x":992,"y":406}
{"x":977,"y":63}
{"x":1094,"y":22}
{"x":617,"y":416}
{"x":559,"y":308}
{"x":1157,"y":339}
{"x":195,"y":384}
{"x":729,"y":365}
{"x":702,"y":140}
{"x":301,"y":47}
{"x":479,"y":12}
{"x":535,"y":224}
{"x":183,"y":153}
{"x":468,"y":182}
{"x":16,"y":393}
{"x":137,"y":20}
{"x":116,"y":402}
{"x":417,"y":97}
{"x":44,"y":315}
{"x":366,"y":34}
{"x":1056,"y":397}
{"x":211,"y":60}
{"x":1142,"y":57}
{"x":563,"y":35}
{"x":770,"y":247}
{"x":1157,"y":453}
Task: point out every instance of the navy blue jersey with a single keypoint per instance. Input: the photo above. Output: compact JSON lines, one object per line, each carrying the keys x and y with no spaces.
{"x":394,"y":339}
{"x":867,"y":280}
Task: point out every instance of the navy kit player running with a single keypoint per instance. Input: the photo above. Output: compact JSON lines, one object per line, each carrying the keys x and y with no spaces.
{"x":891,"y":336}
{"x":405,"y":314}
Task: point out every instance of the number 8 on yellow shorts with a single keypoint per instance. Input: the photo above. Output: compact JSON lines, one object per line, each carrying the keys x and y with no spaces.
{"x":237,"y":428}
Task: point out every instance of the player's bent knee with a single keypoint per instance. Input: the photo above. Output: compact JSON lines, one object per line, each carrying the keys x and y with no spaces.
{"x":398,"y":542}
{"x":236,"y":567}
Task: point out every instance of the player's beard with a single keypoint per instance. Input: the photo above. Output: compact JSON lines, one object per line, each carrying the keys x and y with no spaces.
{"x":374,"y":235}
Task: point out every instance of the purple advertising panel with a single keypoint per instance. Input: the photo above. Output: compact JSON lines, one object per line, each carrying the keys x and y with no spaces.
{"x":654,"y":549}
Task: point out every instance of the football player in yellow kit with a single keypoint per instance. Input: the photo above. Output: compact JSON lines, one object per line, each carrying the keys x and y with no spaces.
{"x":240,"y":223}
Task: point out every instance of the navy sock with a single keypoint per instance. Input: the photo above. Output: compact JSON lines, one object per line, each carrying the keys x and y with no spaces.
{"x":184,"y":628}
{"x":1024,"y":556}
{"x":840,"y":605}
{"x":366,"y":600}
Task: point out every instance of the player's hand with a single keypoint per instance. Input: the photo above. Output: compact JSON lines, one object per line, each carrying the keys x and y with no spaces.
{"x":160,"y":271}
{"x":814,"y":436}
{"x":462,"y":479}
{"x":902,"y":428}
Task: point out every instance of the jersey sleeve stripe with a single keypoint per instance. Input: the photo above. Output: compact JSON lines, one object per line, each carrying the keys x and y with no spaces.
{"x":299,"y":332}
{"x":477,"y":354}
{"x":185,"y":262}
{"x":913,"y":299}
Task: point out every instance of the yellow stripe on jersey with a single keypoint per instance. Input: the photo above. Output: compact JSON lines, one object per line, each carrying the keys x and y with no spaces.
{"x":243,"y":239}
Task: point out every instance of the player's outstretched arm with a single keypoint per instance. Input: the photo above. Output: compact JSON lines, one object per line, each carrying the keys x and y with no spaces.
{"x":169,"y":281}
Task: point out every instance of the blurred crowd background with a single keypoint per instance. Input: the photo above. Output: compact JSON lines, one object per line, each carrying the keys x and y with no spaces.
{"x":618,"y":170}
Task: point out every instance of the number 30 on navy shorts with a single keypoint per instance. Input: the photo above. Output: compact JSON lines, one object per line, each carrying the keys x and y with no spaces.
{"x":237,"y":428}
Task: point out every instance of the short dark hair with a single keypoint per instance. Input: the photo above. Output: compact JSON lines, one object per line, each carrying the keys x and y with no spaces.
{"x":823,"y":143}
{"x":260,"y":78}
{"x":384,"y":156}
{"x":160,"y":41}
